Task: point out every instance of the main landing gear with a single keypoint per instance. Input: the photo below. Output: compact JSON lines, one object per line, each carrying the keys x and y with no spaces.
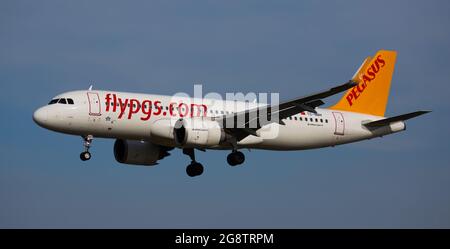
{"x":85,"y":155}
{"x":235,"y":158}
{"x":194,"y":168}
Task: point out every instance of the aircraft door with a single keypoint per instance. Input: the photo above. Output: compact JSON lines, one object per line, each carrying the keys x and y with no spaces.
{"x":339,"y":123}
{"x":94,"y":104}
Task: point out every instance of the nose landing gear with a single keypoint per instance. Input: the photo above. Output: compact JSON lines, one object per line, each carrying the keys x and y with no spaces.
{"x":85,"y":155}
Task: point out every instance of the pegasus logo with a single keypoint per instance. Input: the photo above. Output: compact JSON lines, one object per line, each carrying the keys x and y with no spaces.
{"x":365,"y":78}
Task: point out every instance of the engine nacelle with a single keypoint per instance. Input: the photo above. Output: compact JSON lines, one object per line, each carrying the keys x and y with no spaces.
{"x":198,"y":132}
{"x":138,"y":152}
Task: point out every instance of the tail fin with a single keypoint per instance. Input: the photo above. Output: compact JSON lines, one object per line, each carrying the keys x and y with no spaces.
{"x":371,"y":94}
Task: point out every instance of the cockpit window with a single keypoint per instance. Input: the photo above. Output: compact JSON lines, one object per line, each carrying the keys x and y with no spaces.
{"x":53,"y":101}
{"x":61,"y":101}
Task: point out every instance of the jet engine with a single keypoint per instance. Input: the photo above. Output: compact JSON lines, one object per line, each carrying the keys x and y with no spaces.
{"x":139,"y":152}
{"x":198,"y":132}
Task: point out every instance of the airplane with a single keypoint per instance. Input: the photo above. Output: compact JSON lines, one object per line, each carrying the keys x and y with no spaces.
{"x":147,"y":126}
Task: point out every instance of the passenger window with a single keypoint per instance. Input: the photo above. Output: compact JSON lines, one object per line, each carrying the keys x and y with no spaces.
{"x":70,"y":101}
{"x":316,"y":120}
{"x":53,"y":101}
{"x":321,"y":120}
{"x":295,"y":118}
{"x":311,"y":119}
{"x":326,"y":120}
{"x":62,"y":101}
{"x":301,"y":119}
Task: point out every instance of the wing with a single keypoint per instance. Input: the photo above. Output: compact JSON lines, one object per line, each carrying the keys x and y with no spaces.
{"x":247,"y":122}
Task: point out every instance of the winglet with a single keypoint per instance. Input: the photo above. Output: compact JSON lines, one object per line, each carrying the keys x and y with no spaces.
{"x":90,"y":88}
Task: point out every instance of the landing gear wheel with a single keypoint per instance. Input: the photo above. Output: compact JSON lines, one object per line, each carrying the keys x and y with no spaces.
{"x":194,"y":169}
{"x":84,"y":156}
{"x":230,"y":160}
{"x":235,"y":158}
{"x":87,"y":141}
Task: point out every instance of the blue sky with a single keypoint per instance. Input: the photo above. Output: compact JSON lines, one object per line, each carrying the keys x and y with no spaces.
{"x":164,"y":47}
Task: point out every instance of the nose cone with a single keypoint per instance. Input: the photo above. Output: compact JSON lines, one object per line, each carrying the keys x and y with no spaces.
{"x":40,"y":116}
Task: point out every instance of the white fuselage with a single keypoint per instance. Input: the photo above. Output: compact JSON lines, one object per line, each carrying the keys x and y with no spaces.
{"x":128,"y":116}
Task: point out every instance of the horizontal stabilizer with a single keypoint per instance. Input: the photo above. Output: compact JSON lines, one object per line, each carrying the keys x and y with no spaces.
{"x":387,"y":121}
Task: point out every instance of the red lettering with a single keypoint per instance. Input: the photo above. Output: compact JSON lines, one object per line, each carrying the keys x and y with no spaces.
{"x":146,"y":109}
{"x":200,"y":109}
{"x":355,"y":93}
{"x":171,"y":107}
{"x":134,"y":107}
{"x":381,"y":61}
{"x":108,"y":101}
{"x":129,"y":107}
{"x":349,"y":99}
{"x":371,"y":73}
{"x":158,"y":107}
{"x":182,"y":107}
{"x":123,"y":106}
{"x":366,"y":79}
{"x":115,"y":102}
{"x":361,"y":87}
{"x":375,"y":67}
